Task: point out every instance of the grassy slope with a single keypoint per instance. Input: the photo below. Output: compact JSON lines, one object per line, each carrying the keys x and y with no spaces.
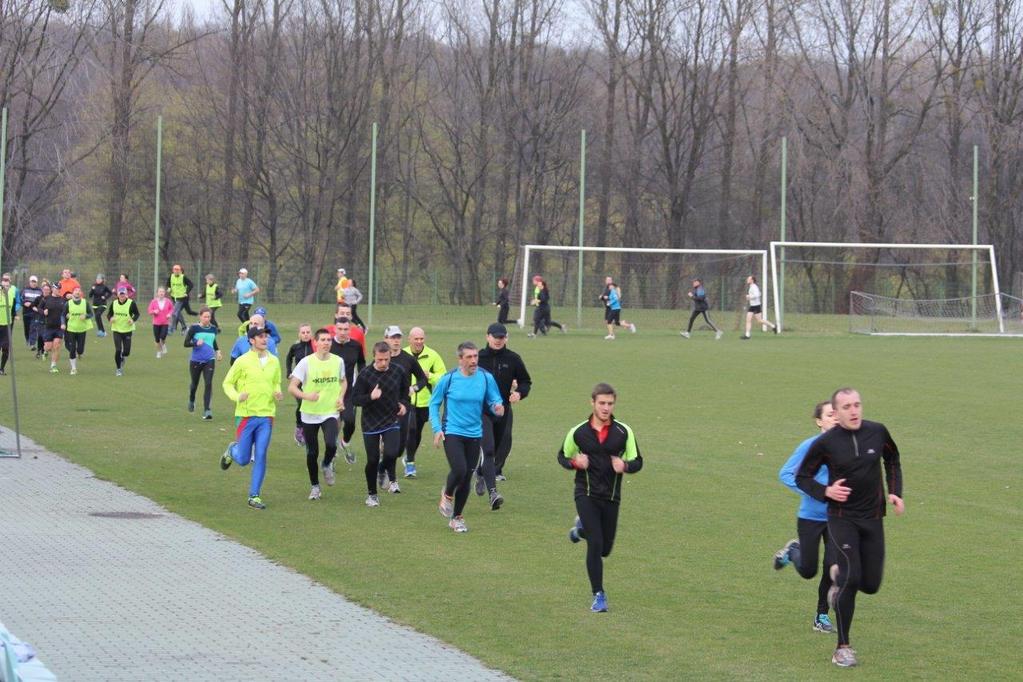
{"x":690,"y":586}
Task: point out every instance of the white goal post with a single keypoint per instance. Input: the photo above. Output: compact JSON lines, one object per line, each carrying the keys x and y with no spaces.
{"x":986,"y":249}
{"x":530,"y":248}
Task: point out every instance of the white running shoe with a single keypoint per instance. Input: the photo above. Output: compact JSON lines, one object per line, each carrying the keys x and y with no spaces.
{"x":314,"y":493}
{"x":159,"y":355}
{"x":718,"y":334}
{"x":457,"y":524}
{"x":74,"y":371}
{"x":685,"y":335}
{"x":446,"y":505}
{"x":394,"y":488}
{"x":632,"y":328}
{"x":609,"y":337}
{"x":328,"y":474}
{"x":372,"y":501}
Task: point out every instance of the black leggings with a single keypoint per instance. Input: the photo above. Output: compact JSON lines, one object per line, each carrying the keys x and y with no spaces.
{"x":600,"y":523}
{"x":542,"y":320}
{"x":856,"y":546}
{"x":97,"y":311}
{"x":243,"y":311}
{"x":418,"y":419}
{"x":204,"y":369}
{"x":348,"y":417}
{"x":462,"y":454}
{"x":502,"y":314}
{"x":356,"y":320}
{"x":496,"y":444}
{"x":696,"y":314}
{"x":312,"y":447}
{"x":122,"y":348}
{"x":403,"y":427}
{"x":75,"y":343}
{"x":5,"y":345}
{"x":374,"y":457}
{"x":160,"y":333}
{"x":805,"y":560}
{"x":213,"y":316}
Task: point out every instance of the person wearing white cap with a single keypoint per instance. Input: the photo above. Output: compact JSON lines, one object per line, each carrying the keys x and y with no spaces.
{"x":342,"y":284}
{"x":246,"y":290}
{"x":30,"y":298}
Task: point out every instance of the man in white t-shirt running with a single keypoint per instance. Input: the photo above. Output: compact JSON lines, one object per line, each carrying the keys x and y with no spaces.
{"x":755,"y":310}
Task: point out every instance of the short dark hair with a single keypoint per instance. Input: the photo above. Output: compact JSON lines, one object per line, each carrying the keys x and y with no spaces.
{"x":503,"y":280}
{"x":844,"y":389}
{"x":321,"y":330}
{"x":342,"y":320}
{"x":381,"y":347}
{"x":603,"y":389}
{"x":818,"y":409}
{"x":464,"y":346}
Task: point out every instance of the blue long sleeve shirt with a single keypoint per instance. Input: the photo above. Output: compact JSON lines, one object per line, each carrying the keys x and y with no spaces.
{"x":242,"y":345}
{"x":465,"y":398}
{"x":809,"y":508}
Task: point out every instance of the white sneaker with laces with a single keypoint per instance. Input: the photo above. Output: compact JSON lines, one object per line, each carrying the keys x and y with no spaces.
{"x":684,"y":335}
{"x":394,"y":488}
{"x":314,"y":493}
{"x":372,"y":501}
{"x":632,"y":328}
{"x":328,"y":474}
{"x":609,"y":337}
{"x":457,"y":524}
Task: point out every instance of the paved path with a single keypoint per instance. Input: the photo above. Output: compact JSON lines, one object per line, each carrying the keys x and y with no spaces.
{"x":163,"y":598}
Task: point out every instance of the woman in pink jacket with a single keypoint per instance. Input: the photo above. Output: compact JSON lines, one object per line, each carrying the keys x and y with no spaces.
{"x":160,"y":308}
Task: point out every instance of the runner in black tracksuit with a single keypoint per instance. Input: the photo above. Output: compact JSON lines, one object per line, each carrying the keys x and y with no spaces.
{"x":350,"y":351}
{"x":600,"y":450}
{"x":514,"y":383}
{"x":853,"y":451}
{"x":408,"y":364}
{"x":381,"y":390}
{"x":301,"y":348}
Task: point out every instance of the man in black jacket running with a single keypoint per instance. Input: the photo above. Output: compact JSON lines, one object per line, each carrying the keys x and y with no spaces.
{"x":853,"y":451}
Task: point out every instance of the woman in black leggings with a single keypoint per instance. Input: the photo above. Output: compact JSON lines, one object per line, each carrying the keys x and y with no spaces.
{"x":202,"y":339}
{"x":542,"y":315}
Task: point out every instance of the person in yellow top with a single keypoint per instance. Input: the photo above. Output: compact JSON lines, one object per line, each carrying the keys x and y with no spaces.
{"x":433,"y":366}
{"x":213,"y":296}
{"x":342,"y":284}
{"x":254,"y":384}
{"x":77,"y":322}
{"x":318,"y":380}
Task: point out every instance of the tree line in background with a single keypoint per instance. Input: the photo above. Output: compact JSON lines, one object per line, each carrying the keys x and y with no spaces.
{"x":268,"y":106}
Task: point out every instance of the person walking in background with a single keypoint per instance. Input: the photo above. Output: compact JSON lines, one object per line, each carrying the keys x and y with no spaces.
{"x":464,"y":394}
{"x":502,"y":301}
{"x":202,"y":339}
{"x":162,"y":310}
{"x":318,"y":382}
{"x":213,"y":296}
{"x":77,"y":323}
{"x":600,"y":450}
{"x":755,"y":308}
{"x":301,"y":348}
{"x":123,"y":313}
{"x":700,"y":307}
{"x":30,"y":315}
{"x":100,"y":294}
{"x":246,"y":290}
{"x":52,"y":308}
{"x":179,"y":287}
{"x":811,"y":520}
{"x":352,"y":298}
{"x":10,"y":304}
{"x":254,"y":384}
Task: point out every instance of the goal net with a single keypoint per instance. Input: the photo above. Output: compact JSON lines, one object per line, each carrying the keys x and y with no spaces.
{"x":813,"y":284}
{"x":989,"y":314}
{"x":653,"y":283}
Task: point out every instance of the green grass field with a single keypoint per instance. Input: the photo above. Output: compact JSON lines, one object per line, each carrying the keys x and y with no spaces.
{"x":690,"y":583}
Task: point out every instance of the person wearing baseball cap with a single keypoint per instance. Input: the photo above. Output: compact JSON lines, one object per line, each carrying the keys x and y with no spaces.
{"x":410,"y":367}
{"x":254,"y":384}
{"x":514,"y":384}
{"x":246,"y":290}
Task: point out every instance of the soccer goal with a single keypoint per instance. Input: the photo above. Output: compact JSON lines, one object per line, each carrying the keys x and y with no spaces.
{"x":653,"y":281}
{"x":933,"y":289}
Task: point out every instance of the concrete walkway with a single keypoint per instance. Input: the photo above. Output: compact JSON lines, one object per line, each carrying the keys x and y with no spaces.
{"x":157,"y":597}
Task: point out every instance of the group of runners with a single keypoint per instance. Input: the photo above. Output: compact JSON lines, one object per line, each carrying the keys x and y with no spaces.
{"x":847,"y":474}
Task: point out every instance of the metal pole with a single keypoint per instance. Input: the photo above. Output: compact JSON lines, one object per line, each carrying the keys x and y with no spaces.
{"x":156,"y":212}
{"x":582,"y":221}
{"x":372,"y":221}
{"x":780,"y":301}
{"x":973,"y":287}
{"x":7,"y":300}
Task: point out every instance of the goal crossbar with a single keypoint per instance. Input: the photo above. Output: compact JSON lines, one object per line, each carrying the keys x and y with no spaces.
{"x":990,"y":249}
{"x":762,"y":253}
